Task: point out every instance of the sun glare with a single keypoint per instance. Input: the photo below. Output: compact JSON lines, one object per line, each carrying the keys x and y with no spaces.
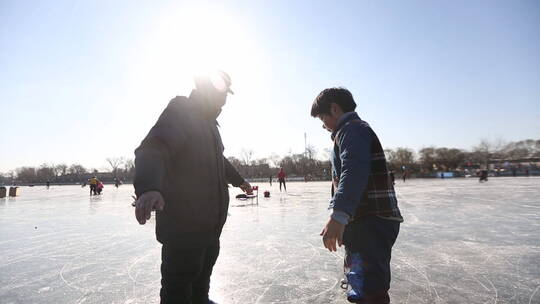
{"x":184,"y":43}
{"x":192,"y":42}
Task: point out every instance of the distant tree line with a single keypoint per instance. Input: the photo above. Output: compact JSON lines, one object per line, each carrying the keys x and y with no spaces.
{"x":306,"y":165}
{"x":425,"y":162}
{"x":121,"y":168}
{"x":303,"y":165}
{"x":435,"y":159}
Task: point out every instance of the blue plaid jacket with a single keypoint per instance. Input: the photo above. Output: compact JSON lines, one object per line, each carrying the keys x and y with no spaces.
{"x":360,"y":174}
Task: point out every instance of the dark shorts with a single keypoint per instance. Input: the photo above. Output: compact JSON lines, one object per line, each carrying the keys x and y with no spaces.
{"x":368,"y":244}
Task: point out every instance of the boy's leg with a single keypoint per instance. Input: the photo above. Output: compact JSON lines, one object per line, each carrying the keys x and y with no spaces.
{"x":181,"y":266}
{"x":368,"y":244}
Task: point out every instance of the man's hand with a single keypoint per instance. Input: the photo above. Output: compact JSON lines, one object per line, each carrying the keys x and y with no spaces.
{"x":332,"y":233}
{"x":246,"y":187}
{"x":148,"y":201}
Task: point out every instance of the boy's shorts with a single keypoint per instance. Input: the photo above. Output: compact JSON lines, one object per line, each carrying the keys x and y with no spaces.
{"x":368,"y":244}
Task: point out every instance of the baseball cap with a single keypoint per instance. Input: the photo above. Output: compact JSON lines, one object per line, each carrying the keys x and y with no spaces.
{"x":221,"y":81}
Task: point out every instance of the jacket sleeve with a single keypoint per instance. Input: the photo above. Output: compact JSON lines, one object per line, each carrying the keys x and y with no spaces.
{"x":153,"y":156}
{"x":355,"y":156}
{"x":232,"y":176}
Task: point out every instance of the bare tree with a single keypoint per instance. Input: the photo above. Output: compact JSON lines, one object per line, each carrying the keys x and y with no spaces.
{"x":274,"y":159}
{"x":235,"y":162}
{"x":427,"y":158}
{"x":115,"y":163}
{"x":26,"y":174}
{"x":61,"y":169}
{"x":482,"y":152}
{"x":400,"y":157}
{"x":311,"y":151}
{"x":522,"y":149}
{"x":45,"y":172}
{"x":247,"y":156}
{"x":129,"y":169}
{"x":327,"y":153}
{"x":449,"y":159}
{"x":77,"y":169}
{"x":129,"y":164}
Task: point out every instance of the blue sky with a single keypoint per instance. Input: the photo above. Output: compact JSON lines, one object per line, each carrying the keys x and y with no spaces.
{"x":81,"y":81}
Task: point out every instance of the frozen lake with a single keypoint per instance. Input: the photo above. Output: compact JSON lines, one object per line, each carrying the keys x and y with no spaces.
{"x":462,"y":242}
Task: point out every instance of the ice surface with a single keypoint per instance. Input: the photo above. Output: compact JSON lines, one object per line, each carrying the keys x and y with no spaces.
{"x":462,"y":242}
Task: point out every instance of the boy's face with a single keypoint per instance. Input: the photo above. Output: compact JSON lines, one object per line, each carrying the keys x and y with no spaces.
{"x":329,"y":122}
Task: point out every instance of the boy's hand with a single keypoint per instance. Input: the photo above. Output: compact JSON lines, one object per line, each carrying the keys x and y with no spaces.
{"x":332,"y":233}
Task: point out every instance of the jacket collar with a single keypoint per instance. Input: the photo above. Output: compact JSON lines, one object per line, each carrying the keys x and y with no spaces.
{"x":201,"y":103}
{"x":345,"y":118}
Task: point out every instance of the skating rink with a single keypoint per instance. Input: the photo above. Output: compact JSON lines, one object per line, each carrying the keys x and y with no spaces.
{"x":462,"y":242}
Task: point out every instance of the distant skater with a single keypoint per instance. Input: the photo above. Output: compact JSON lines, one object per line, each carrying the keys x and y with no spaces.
{"x":116,"y":182}
{"x":48,"y":184}
{"x":281,"y":176}
{"x":99,"y":187}
{"x":93,"y":185}
{"x":483,"y":176}
{"x":270,"y":180}
{"x":404,"y":176}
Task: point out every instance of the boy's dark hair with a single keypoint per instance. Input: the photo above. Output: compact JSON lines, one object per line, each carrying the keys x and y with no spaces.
{"x":341,"y":96}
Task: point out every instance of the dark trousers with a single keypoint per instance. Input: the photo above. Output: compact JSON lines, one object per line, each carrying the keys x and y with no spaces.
{"x":93,"y":189}
{"x":372,"y":239}
{"x":186,"y":271}
{"x":282,"y":181}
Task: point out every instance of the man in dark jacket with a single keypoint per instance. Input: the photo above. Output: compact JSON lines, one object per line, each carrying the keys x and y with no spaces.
{"x":182,"y":174}
{"x":365,"y":215}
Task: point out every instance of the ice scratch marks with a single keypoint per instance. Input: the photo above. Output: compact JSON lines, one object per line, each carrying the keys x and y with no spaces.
{"x":61,"y":273}
{"x":430,"y":286}
{"x":313,"y":296}
{"x":260,"y":297}
{"x":137,"y":260}
{"x":532,"y":295}
{"x":496,"y":295}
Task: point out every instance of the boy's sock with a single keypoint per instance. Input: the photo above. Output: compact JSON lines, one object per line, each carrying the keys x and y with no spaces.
{"x":355,"y":277}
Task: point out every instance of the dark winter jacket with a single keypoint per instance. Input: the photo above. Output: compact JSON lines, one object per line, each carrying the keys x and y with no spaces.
{"x":182,"y":157}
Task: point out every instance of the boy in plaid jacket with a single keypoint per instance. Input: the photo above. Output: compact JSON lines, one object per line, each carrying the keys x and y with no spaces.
{"x":365,"y":216}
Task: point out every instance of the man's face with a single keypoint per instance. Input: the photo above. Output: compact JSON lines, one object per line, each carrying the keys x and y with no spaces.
{"x":218,"y":99}
{"x":214,"y":100}
{"x":220,"y":91}
{"x":215,"y":88}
